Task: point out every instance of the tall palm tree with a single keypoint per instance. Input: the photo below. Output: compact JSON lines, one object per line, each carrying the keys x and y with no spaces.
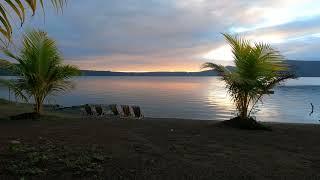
{"x":19,"y":8}
{"x":39,"y":69}
{"x":258,"y":69}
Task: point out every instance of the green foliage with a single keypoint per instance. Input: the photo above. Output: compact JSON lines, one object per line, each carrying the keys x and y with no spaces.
{"x":19,"y":9}
{"x":258,"y":69}
{"x":39,"y":68}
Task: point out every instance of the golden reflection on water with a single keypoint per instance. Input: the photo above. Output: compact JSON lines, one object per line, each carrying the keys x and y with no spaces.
{"x":159,"y":84}
{"x":214,"y":93}
{"x":191,"y":97}
{"x":217,"y":94}
{"x":218,"y":97}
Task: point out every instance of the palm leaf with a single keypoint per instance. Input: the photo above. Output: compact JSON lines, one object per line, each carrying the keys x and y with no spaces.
{"x":258,"y":69}
{"x":14,"y":88}
{"x":39,"y":68}
{"x":18,"y":8}
{"x":219,"y":68}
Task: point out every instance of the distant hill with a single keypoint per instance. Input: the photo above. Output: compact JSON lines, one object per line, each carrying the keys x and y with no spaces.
{"x":306,"y":68}
{"x":5,"y":73}
{"x":110,"y":73}
{"x":302,"y":69}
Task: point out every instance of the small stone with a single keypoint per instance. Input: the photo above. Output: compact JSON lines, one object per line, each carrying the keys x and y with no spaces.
{"x":15,"y":142}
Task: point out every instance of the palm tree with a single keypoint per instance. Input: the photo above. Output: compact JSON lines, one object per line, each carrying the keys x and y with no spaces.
{"x":19,"y":8}
{"x":39,"y":69}
{"x":258,"y":69}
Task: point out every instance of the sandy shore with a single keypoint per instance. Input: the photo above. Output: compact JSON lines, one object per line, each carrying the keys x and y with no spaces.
{"x":65,"y":146}
{"x":178,"y":149}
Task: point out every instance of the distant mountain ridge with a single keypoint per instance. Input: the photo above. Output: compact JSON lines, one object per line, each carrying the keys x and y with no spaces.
{"x":306,"y":68}
{"x":110,"y":73}
{"x":302,"y":69}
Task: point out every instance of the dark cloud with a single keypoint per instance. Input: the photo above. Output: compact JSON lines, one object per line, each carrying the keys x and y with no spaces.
{"x":139,"y":35}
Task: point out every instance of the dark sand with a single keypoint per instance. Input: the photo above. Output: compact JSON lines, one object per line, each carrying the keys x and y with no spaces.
{"x":171,"y":148}
{"x":181,"y":149}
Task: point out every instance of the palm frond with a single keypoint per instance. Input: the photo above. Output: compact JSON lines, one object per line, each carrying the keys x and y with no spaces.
{"x":19,"y":9}
{"x":219,"y":68}
{"x":258,"y":69}
{"x":39,"y":68}
{"x":18,"y":92}
{"x":4,"y":64}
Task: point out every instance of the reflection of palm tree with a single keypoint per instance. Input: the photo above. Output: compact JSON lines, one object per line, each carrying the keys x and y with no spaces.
{"x":40,"y":70}
{"x":258,"y":68}
{"x":19,"y":8}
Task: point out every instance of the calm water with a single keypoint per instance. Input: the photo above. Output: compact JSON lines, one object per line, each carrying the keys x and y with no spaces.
{"x":192,"y":97}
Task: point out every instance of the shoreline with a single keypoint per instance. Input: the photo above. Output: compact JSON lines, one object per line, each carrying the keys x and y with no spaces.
{"x":164,"y":148}
{"x":75,"y":111}
{"x":217,"y":121}
{"x":154,"y":148}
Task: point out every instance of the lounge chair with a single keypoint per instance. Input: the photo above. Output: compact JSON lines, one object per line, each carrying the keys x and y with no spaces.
{"x":114,"y":110}
{"x":120,"y":111}
{"x":126,"y":111}
{"x":99,"y":110}
{"x":88,"y":110}
{"x":106,"y":110}
{"x":92,"y":111}
{"x":131,"y":112}
{"x":137,"y":112}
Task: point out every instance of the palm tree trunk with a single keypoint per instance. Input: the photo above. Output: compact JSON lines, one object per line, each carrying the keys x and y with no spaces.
{"x":244,"y":107}
{"x":244,"y":114}
{"x":38,"y":108}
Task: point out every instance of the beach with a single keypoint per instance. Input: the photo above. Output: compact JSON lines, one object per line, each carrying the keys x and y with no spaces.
{"x":127,"y":90}
{"x":162,"y":148}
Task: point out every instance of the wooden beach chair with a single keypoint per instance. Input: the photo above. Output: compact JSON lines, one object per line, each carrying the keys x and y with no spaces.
{"x":114,"y":109}
{"x":99,"y":110}
{"x":106,"y":110}
{"x":120,"y":111}
{"x":92,"y":111}
{"x":137,"y":112}
{"x":132,"y":112}
{"x":126,"y":111}
{"x":87,"y":111}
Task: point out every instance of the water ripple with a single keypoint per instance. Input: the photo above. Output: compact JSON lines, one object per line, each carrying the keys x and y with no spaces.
{"x":193,"y":97}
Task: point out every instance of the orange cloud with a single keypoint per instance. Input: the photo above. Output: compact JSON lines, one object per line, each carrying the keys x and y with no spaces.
{"x":127,"y":63}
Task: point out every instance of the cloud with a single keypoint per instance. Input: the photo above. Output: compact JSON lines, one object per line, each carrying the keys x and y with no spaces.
{"x":146,"y":35}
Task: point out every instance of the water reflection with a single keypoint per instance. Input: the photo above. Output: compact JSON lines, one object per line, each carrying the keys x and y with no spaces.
{"x":192,"y":97}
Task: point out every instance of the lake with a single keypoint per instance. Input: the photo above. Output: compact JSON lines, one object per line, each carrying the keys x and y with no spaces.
{"x":203,"y":98}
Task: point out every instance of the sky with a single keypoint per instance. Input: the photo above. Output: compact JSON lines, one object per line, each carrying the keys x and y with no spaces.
{"x":176,"y":35}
